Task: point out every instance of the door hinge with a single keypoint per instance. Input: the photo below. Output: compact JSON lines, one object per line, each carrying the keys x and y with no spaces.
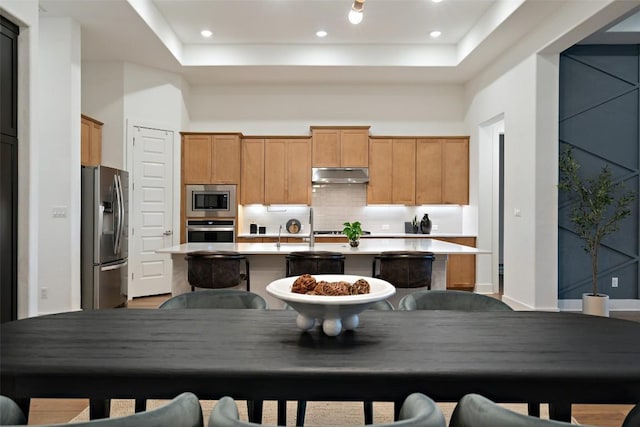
{"x":132,"y":276}
{"x":134,"y":141}
{"x":133,"y":231}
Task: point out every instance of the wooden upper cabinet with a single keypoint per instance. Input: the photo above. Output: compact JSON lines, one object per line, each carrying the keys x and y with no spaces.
{"x":392,"y":170}
{"x":340,"y":147}
{"x":287,"y":171}
{"x":379,"y":188}
{"x":455,"y":165}
{"x":428,"y":171}
{"x":211,"y":158}
{"x":442,"y":171}
{"x":404,"y":172}
{"x":90,"y":141}
{"x":299,"y":171}
{"x":252,"y":182}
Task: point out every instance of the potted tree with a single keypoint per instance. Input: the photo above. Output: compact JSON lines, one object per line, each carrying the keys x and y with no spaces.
{"x":597,"y":205}
{"x":353,"y":231}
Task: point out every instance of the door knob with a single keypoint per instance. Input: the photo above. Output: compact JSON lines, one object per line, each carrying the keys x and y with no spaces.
{"x":168,"y":233}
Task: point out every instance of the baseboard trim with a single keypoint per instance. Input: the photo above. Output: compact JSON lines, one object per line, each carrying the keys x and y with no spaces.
{"x":484,"y":288}
{"x":614,"y":305}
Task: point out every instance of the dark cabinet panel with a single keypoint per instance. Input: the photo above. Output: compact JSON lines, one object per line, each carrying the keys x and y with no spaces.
{"x":8,"y":171}
{"x":8,"y":78}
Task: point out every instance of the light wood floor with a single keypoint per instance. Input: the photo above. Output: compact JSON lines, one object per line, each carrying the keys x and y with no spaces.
{"x":63,"y":410}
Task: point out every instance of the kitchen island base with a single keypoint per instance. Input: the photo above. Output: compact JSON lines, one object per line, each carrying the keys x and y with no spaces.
{"x":267,"y":268}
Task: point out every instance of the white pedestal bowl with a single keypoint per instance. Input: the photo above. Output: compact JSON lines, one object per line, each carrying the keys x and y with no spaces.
{"x":336,"y":313}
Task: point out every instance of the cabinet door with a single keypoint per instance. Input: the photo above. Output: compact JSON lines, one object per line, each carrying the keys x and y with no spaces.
{"x":226,"y":159}
{"x":85,"y":142}
{"x":299,"y":171}
{"x":403,"y":173}
{"x":354,"y":147}
{"x":95,"y":150}
{"x":275,"y":172}
{"x":252,"y":182}
{"x":326,"y":148}
{"x":428,"y":171}
{"x":196,"y":159}
{"x":455,"y":182}
{"x":90,"y":142}
{"x":461,"y":269}
{"x":380,"y":167}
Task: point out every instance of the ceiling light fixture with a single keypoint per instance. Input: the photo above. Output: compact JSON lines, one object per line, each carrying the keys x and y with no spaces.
{"x":321,"y":33}
{"x":436,"y":1}
{"x":435,"y":34}
{"x":355,"y":14}
{"x":206,"y":33}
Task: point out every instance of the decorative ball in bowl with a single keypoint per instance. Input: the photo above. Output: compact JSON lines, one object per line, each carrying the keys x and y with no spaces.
{"x":335,"y":312}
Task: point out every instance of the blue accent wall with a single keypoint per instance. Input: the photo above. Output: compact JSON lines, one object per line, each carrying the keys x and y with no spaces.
{"x":600,"y":119}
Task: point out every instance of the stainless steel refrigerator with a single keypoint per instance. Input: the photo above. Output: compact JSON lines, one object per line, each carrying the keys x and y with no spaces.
{"x":104,"y":245}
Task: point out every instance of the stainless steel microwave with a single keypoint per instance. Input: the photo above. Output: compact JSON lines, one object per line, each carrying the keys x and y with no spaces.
{"x":211,"y":201}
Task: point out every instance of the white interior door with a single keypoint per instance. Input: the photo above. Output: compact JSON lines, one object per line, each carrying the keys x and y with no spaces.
{"x":152,"y":213}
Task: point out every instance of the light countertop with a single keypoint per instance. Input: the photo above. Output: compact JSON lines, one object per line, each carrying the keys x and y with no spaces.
{"x":368,"y":246}
{"x":368,"y":236}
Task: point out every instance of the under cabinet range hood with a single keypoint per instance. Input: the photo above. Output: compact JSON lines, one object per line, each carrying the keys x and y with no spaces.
{"x":339,"y":175}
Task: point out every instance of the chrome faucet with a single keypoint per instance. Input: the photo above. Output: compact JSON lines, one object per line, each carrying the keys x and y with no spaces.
{"x":279,"y":231}
{"x":312,"y":237}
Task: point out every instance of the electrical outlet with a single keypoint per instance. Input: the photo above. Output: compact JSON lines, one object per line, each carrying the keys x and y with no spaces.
{"x":44,"y":293}
{"x":59,"y":212}
{"x":434,"y":227}
{"x":614,"y":282}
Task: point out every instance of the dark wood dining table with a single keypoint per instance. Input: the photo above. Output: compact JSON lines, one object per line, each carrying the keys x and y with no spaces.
{"x":559,"y":358}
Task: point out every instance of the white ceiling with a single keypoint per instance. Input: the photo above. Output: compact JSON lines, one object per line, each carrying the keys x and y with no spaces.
{"x":274,"y":40}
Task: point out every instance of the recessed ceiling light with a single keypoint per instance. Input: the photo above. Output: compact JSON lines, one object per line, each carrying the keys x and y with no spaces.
{"x":321,"y":33}
{"x":435,"y":34}
{"x":436,"y":1}
{"x":206,"y":33}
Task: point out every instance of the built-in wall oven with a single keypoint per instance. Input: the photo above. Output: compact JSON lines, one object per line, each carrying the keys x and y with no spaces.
{"x":211,"y":201}
{"x":211,"y":230}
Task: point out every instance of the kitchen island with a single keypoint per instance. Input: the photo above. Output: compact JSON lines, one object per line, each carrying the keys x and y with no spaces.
{"x":267,"y":260}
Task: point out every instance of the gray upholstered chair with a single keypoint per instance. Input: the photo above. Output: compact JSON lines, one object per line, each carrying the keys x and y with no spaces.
{"x":633,"y":417}
{"x":183,"y":411}
{"x":451,"y":300}
{"x":216,"y":298}
{"x":10,"y":413}
{"x":212,"y":299}
{"x":417,"y":411}
{"x":478,"y":411}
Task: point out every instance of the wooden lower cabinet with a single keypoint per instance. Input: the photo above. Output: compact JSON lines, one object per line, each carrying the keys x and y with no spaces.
{"x":461,"y":269}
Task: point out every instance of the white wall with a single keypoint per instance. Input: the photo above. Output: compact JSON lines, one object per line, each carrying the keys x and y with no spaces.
{"x":102,"y":99}
{"x":291,"y":109}
{"x":59,"y":160}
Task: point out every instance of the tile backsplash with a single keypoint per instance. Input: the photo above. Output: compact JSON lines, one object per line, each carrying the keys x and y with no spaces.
{"x":334,"y":204}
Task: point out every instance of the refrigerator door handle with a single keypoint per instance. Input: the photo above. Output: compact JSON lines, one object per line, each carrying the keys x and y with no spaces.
{"x":121,"y":218}
{"x":117,"y":216}
{"x":114,"y":267}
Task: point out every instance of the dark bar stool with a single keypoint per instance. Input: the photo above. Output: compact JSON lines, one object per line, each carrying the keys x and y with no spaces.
{"x":217,"y":269}
{"x":404,"y":269}
{"x":314,"y":262}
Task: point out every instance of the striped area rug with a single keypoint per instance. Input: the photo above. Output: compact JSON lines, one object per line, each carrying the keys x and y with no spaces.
{"x":318,"y":414}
